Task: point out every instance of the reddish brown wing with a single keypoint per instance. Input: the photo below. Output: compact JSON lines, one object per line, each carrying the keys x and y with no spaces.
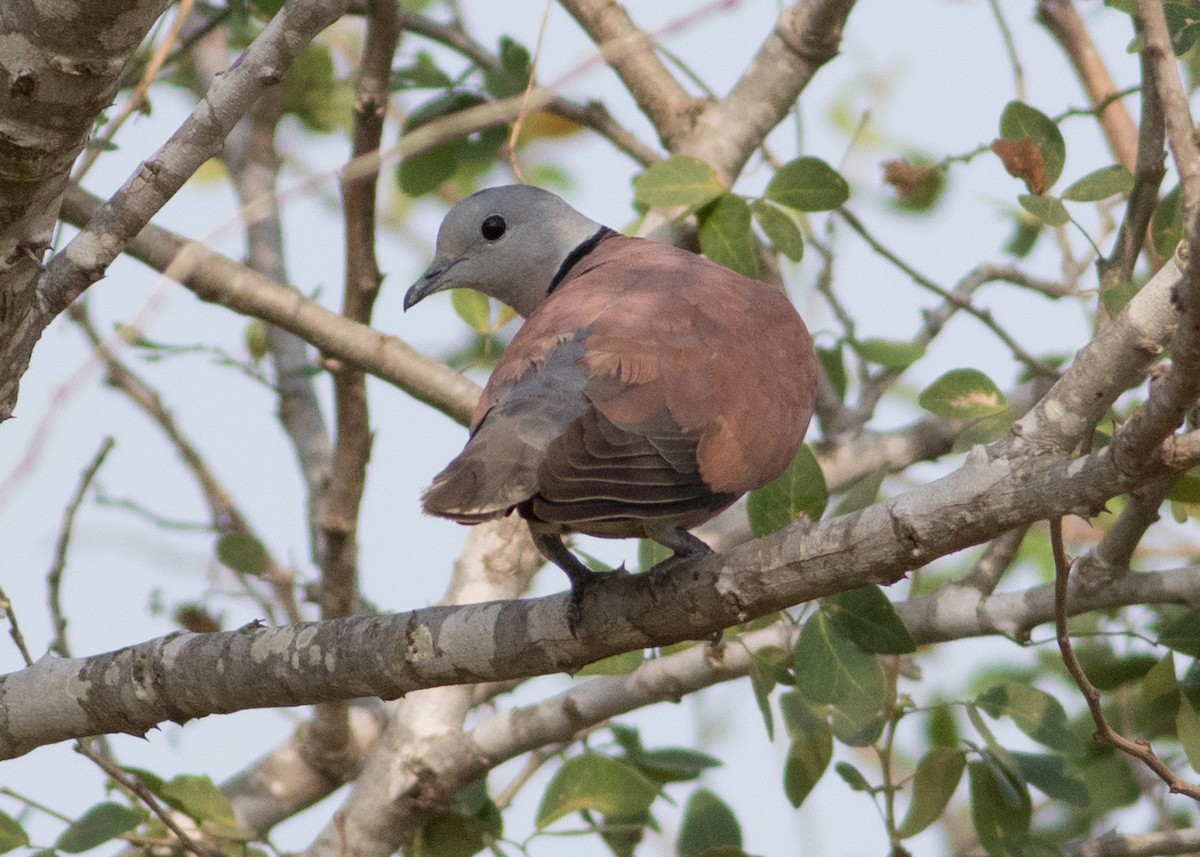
{"x":728,"y":357}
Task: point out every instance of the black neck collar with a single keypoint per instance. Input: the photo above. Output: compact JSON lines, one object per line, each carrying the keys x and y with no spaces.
{"x":578,"y":253}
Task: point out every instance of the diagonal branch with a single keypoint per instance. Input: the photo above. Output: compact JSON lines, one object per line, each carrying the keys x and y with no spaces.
{"x":192,"y":675}
{"x":218,"y":279}
{"x":727,"y":132}
{"x":1172,"y":396}
{"x":631,"y":53}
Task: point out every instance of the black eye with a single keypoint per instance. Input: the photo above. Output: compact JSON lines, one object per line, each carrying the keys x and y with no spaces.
{"x":493,"y":227}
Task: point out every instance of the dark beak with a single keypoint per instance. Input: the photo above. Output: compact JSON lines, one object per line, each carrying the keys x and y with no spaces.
{"x":431,"y":281}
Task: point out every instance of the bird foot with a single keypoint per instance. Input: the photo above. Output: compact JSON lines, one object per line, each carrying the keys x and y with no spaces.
{"x":579,"y":586}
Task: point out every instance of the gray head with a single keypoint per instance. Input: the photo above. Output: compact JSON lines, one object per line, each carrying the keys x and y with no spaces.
{"x":507,"y":242}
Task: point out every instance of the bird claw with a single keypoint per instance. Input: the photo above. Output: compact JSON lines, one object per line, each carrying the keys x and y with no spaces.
{"x":579,"y":587}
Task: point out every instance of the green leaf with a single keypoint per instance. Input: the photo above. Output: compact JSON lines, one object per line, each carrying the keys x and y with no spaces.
{"x":243,"y":553}
{"x":768,"y":667}
{"x":12,"y":834}
{"x":725,"y":234}
{"x":1187,"y":726}
{"x":963,"y":394}
{"x":677,"y":180}
{"x":780,"y":227}
{"x":621,"y":833}
{"x":1019,"y":121}
{"x":98,"y":825}
{"x":314,"y":92}
{"x":1160,"y":689}
{"x":999,"y":820}
{"x":472,"y":824}
{"x":942,"y":728}
{"x":651,"y":553}
{"x":422,"y":74}
{"x":1183,"y":26}
{"x":800,"y":716}
{"x":807,"y":760}
{"x":1027,"y":230}
{"x":1182,"y":634}
{"x":1036,"y":713}
{"x":1114,"y":298}
{"x":861,"y":494}
{"x":513,"y":76}
{"x":424,"y":171}
{"x":852,"y":777}
{"x":1187,"y":489}
{"x":799,"y":490}
{"x":1049,"y":774}
{"x":674,"y":764}
{"x":832,"y":671}
{"x":835,"y":368}
{"x":890,"y":353}
{"x":197,"y":797}
{"x":621,"y":664}
{"x":808,"y":184}
{"x":473,"y":308}
{"x":1047,"y":209}
{"x":455,"y":834}
{"x":867,"y":618}
{"x":938,"y":774}
{"x":594,"y":782}
{"x":1107,"y":671}
{"x":707,"y":823}
{"x":1166,"y":227}
{"x":1100,"y":184}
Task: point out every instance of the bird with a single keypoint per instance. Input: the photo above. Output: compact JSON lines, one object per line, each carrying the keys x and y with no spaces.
{"x":647,"y":390}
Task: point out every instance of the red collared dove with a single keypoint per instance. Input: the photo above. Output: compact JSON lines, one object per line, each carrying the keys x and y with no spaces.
{"x":648,"y":389}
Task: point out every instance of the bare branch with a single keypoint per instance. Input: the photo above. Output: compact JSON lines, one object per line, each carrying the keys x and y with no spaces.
{"x":727,"y":132}
{"x":630,"y":52}
{"x":390,"y":656}
{"x":593,"y":115}
{"x":220,"y":280}
{"x":1139,"y":749}
{"x":60,"y":646}
{"x":1171,"y":397}
{"x":1062,"y":19}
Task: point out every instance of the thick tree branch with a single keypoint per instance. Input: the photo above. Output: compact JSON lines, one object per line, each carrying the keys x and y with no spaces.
{"x":218,"y":279}
{"x":193,"y":675}
{"x":631,"y":53}
{"x":727,"y":132}
{"x":62,"y":75}
{"x":1173,"y":396}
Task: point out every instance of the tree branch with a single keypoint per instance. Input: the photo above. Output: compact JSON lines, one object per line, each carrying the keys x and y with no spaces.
{"x":631,"y":53}
{"x":192,"y":675}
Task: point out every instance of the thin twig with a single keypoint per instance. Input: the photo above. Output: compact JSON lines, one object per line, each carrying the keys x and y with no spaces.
{"x":593,"y":115}
{"x":135,"y":786}
{"x":1010,"y":47}
{"x":985,"y":317}
{"x":226,"y":516}
{"x":60,"y":645}
{"x":14,"y":627}
{"x":1138,"y":748}
{"x":519,"y":122}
